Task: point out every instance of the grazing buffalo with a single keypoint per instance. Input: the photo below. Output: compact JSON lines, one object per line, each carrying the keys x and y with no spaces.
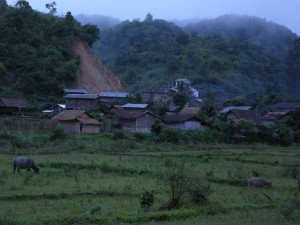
{"x":23,"y":162}
{"x":258,"y":182}
{"x":298,"y":180}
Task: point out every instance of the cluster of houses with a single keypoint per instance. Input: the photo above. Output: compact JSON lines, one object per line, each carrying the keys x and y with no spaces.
{"x":72,"y":116}
{"x":123,"y":115}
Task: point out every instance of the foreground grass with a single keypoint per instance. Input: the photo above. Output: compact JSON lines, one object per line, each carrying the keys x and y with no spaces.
{"x":99,"y":180}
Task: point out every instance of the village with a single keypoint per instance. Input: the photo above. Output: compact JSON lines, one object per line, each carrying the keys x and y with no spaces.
{"x":138,"y":112}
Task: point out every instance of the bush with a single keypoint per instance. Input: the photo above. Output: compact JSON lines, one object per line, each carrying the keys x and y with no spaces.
{"x":95,"y":211}
{"x":58,"y":133}
{"x":156,"y":127}
{"x":175,"y":178}
{"x":291,"y":170}
{"x":287,"y":209}
{"x":199,"y":189}
{"x":147,"y":200}
{"x":118,"y":134}
{"x":179,"y":181}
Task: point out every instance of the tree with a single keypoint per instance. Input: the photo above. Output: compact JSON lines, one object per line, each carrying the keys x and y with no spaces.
{"x":294,"y":66}
{"x":3,"y":4}
{"x":22,"y":4}
{"x":51,"y":7}
{"x":180,"y":98}
{"x":148,"y":18}
{"x":90,"y":33}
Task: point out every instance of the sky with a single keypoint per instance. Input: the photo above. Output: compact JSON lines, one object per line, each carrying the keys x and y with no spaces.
{"x":284,"y":12}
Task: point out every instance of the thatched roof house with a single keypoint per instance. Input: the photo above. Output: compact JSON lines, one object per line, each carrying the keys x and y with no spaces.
{"x":285,"y":106}
{"x":13,"y":105}
{"x":184,"y":120}
{"x":238,"y":115}
{"x":77,"y":121}
{"x":139,"y":120}
{"x":271,"y":117}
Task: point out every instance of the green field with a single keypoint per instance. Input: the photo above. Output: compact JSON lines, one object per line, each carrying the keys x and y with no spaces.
{"x":98,"y":179}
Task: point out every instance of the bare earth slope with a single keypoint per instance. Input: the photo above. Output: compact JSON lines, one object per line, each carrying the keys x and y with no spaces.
{"x":92,"y":75}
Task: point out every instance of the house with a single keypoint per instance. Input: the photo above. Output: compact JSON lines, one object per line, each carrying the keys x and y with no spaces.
{"x":132,"y":119}
{"x":156,"y":96}
{"x":175,"y":108}
{"x":82,"y":101}
{"x":271,"y":117}
{"x":184,"y":120}
{"x":57,"y":108}
{"x":77,"y":121}
{"x":228,"y":108}
{"x":12,"y":105}
{"x":285,"y":107}
{"x":74,"y":91}
{"x":239,"y":115}
{"x":135,"y":106}
{"x":54,"y":110}
{"x":114,"y":97}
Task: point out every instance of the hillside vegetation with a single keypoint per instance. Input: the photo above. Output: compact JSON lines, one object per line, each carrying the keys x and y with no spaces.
{"x":149,"y":54}
{"x":275,"y":38}
{"x":36,"y":59}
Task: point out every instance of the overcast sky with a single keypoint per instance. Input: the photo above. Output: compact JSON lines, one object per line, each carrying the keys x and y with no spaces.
{"x":284,"y":12}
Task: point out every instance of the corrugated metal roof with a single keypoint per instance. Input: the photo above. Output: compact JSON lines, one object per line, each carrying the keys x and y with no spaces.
{"x":82,"y":96}
{"x":227,"y":109}
{"x":286,"y":105}
{"x":135,"y":106}
{"x":114,"y":94}
{"x":131,"y":114}
{"x":63,"y":106}
{"x":75,"y":91}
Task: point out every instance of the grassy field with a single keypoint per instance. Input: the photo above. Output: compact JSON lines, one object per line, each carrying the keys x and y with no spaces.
{"x":99,"y":179}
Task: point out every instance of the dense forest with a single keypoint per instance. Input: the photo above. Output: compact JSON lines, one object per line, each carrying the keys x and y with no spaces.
{"x":149,"y":54}
{"x":254,"y":56}
{"x":36,"y":60}
{"x":275,"y":38}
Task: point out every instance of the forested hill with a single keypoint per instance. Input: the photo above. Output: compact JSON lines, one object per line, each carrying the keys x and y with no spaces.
{"x":35,"y":55}
{"x":277,"y":39}
{"x":148,"y":54}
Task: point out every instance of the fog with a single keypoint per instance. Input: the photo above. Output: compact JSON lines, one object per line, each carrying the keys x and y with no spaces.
{"x":283,"y":12}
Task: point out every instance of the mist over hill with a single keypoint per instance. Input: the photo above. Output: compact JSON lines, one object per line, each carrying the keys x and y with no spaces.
{"x":102,"y":22}
{"x":275,"y":38}
{"x":149,"y":54}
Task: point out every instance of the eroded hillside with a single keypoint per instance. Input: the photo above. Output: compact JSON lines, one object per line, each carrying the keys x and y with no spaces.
{"x":92,"y":75}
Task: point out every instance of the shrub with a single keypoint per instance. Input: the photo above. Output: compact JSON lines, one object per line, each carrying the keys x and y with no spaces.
{"x":199,"y":189}
{"x":175,"y":178}
{"x":118,"y":134}
{"x":287,"y":209}
{"x":147,"y":200}
{"x":291,"y":170}
{"x":140,"y":136}
{"x":95,"y":211}
{"x":173,"y":136}
{"x":156,"y":127}
{"x":58,"y":133}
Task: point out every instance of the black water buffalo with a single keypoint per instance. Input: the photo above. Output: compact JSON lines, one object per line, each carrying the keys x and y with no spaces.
{"x":23,"y":162}
{"x":258,"y":182}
